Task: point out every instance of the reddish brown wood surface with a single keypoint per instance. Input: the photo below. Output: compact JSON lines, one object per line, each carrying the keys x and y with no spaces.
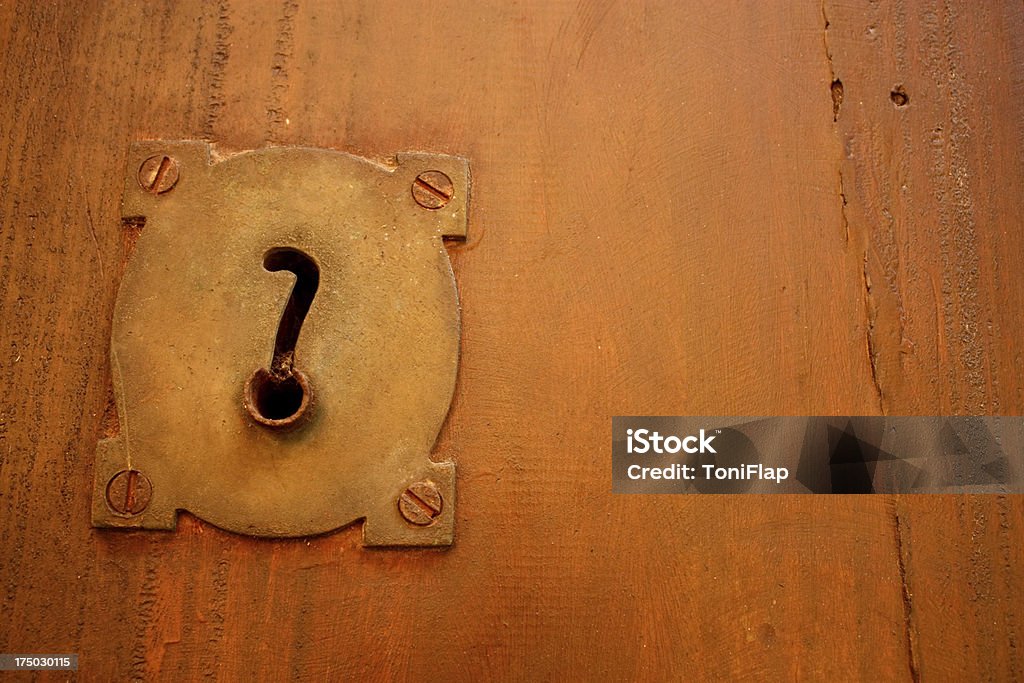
{"x":678,"y":208}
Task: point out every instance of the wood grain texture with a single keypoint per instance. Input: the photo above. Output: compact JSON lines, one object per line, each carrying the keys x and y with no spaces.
{"x":673,"y":213}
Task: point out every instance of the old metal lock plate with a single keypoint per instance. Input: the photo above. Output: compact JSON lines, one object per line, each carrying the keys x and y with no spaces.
{"x":285,"y":344}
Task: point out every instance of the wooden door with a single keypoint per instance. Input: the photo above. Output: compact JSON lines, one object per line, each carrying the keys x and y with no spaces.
{"x":678,"y":208}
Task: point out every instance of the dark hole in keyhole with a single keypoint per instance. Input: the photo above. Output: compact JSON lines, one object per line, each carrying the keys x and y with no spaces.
{"x":276,"y":398}
{"x":279,"y":396}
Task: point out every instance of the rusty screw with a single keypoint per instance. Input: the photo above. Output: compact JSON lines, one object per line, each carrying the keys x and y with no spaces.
{"x":432,"y":189}
{"x":421,"y":503}
{"x":158,"y":174}
{"x":128,"y":492}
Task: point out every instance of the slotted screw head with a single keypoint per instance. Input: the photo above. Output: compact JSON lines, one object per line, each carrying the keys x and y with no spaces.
{"x":421,"y":503}
{"x":158,"y":174}
{"x":432,"y":189}
{"x":129,"y":492}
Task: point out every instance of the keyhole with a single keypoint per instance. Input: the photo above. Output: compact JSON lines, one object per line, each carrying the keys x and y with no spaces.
{"x":278,"y":396}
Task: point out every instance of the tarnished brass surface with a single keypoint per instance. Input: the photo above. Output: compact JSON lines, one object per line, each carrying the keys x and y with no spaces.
{"x":195,"y":325}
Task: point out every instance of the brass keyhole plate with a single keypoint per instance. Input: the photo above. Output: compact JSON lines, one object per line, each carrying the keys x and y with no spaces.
{"x":377,"y":351}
